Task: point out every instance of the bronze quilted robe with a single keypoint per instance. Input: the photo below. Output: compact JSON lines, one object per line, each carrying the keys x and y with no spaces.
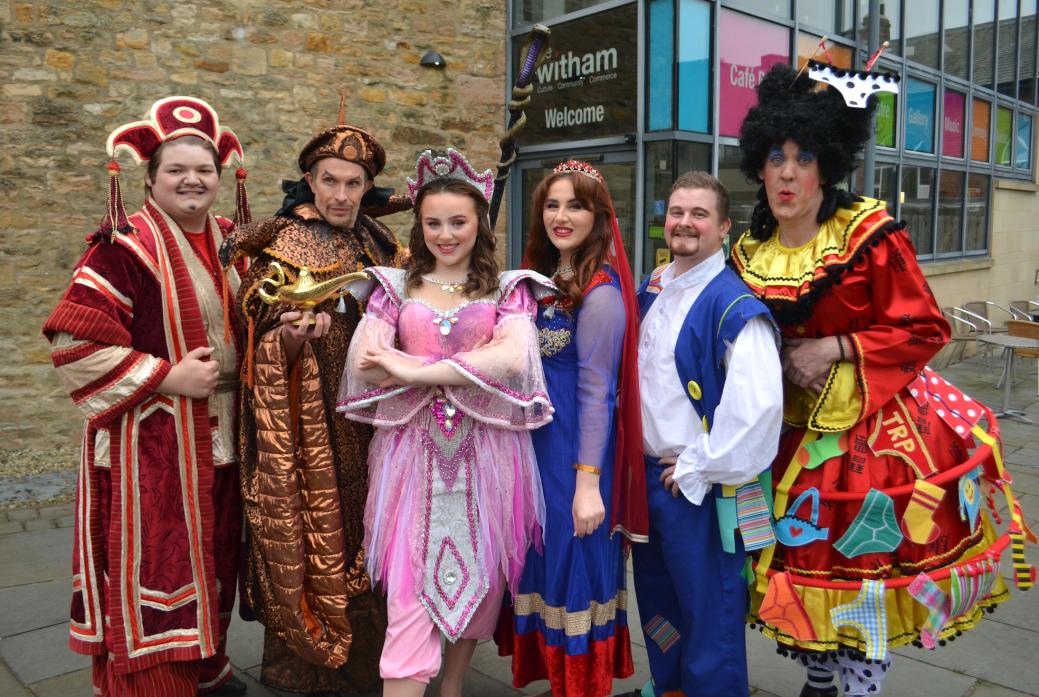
{"x":304,"y":468}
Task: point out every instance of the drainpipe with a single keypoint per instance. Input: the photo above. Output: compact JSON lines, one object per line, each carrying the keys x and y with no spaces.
{"x":869,"y":160}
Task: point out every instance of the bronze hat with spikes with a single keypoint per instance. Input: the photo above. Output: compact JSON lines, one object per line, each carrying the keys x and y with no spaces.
{"x":346,"y":143}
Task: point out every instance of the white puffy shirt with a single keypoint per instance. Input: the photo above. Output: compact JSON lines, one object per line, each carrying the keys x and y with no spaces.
{"x":744,"y":436}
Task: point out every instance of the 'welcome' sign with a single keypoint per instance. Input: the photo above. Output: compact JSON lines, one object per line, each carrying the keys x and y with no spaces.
{"x":586,"y":87}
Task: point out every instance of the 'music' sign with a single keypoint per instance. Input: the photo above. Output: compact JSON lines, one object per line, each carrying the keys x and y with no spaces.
{"x":587,"y":85}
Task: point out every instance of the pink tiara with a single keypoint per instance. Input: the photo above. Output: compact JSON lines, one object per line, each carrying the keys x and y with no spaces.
{"x":579,"y":167}
{"x":452,"y":166}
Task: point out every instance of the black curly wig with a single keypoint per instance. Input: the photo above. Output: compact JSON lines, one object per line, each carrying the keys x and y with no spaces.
{"x":818,"y":121}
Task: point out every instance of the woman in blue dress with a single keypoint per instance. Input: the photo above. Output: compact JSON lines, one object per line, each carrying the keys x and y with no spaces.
{"x":569,"y":618}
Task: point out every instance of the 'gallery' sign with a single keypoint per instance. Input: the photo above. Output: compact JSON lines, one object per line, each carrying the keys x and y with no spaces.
{"x":586,"y":86}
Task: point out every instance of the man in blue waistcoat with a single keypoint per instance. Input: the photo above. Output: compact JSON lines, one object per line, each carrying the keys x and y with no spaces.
{"x":712,"y":406}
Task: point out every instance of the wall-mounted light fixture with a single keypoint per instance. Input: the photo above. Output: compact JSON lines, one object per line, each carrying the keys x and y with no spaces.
{"x":432,"y":59}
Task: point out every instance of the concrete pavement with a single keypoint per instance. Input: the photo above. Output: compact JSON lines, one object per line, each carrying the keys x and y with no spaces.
{"x":997,"y":659}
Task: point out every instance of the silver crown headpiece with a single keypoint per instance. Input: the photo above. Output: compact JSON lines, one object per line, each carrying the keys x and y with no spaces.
{"x":450,"y":166}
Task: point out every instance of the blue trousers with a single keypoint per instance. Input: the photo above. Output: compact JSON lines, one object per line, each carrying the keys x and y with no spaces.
{"x":692,"y":597}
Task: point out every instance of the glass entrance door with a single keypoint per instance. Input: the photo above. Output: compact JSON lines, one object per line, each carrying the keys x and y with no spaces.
{"x":618,"y":170}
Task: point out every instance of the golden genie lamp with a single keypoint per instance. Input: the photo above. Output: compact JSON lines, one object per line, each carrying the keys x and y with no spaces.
{"x":306,"y":293}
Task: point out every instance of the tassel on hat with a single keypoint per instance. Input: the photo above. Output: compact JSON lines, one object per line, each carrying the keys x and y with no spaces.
{"x":115,"y":219}
{"x":242,"y":215}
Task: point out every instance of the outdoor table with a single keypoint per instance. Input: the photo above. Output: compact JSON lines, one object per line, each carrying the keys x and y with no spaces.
{"x":1008,"y":344}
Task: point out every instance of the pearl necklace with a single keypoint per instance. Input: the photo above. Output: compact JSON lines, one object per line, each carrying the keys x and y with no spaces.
{"x":446,"y":286}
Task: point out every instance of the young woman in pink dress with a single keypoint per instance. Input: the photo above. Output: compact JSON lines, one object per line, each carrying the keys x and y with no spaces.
{"x":445,"y":364}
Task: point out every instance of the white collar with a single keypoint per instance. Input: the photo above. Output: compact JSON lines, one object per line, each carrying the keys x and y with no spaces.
{"x":698,"y":275}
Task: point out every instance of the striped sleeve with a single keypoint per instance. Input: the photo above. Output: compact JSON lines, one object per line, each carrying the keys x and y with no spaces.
{"x":91,"y":342}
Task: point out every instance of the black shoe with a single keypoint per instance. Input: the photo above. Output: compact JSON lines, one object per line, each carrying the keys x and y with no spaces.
{"x":809,"y":691}
{"x":232,"y":688}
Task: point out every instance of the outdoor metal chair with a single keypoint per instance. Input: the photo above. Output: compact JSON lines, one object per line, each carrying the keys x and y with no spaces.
{"x":1016,"y":327}
{"x":963,"y":331}
{"x":983,"y":309}
{"x":1025,"y":309}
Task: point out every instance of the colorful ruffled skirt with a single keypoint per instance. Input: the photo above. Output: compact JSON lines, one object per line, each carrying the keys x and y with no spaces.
{"x":883,"y":534}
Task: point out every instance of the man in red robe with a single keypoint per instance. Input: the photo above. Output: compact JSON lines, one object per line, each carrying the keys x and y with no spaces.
{"x":145,"y":345}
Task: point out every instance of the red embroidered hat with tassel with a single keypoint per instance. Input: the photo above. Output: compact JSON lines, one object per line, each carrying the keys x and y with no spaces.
{"x":168,"y":119}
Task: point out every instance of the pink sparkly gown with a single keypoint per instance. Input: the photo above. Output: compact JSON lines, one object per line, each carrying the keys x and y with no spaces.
{"x":451,"y":469}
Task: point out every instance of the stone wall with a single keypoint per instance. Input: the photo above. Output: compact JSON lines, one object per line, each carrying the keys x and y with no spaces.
{"x":70,"y":72}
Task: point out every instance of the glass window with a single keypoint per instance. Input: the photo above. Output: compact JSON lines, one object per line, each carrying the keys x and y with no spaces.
{"x":950,"y":211}
{"x":544,"y":10}
{"x":984,"y":42}
{"x":661,"y":64}
{"x":918,"y":189}
{"x":952,"y":123}
{"x":748,"y":48}
{"x":884,"y":126}
{"x":885,"y":185}
{"x":979,"y":132}
{"x":890,"y":25}
{"x":780,"y":8}
{"x":743,"y":195}
{"x":977,"y":212}
{"x":1023,"y":149}
{"x":846,"y":19}
{"x":957,"y":37}
{"x":694,"y":65}
{"x":1007,"y":65}
{"x":820,"y":14}
{"x":919,"y":135}
{"x":922,"y":38}
{"x":1026,"y":60}
{"x":665,"y":161}
{"x":1004,"y":135}
{"x":620,"y":180}
{"x":808,"y":44}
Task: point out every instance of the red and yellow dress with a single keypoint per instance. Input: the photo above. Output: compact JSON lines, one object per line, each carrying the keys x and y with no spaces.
{"x":883,"y":539}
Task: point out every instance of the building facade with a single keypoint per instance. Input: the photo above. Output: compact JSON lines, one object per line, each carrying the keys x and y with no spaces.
{"x":644,"y":89}
{"x":70,"y":72}
{"x":648,"y":89}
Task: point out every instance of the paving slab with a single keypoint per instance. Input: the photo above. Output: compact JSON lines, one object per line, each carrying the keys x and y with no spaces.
{"x":997,"y":653}
{"x":41,"y":654}
{"x":1024,"y":457}
{"x":34,"y":605}
{"x":1022,"y":610}
{"x":479,"y":684}
{"x":908,"y":677}
{"x":74,"y":683}
{"x":9,"y":685}
{"x":487,"y":662}
{"x":770,"y":671}
{"x":31,"y":557}
{"x":1017,"y":434}
{"x":256,"y":688}
{"x":252,"y":677}
{"x":638,"y":640}
{"x":985,"y":689}
{"x":1026,"y":480}
{"x":244,"y":642}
